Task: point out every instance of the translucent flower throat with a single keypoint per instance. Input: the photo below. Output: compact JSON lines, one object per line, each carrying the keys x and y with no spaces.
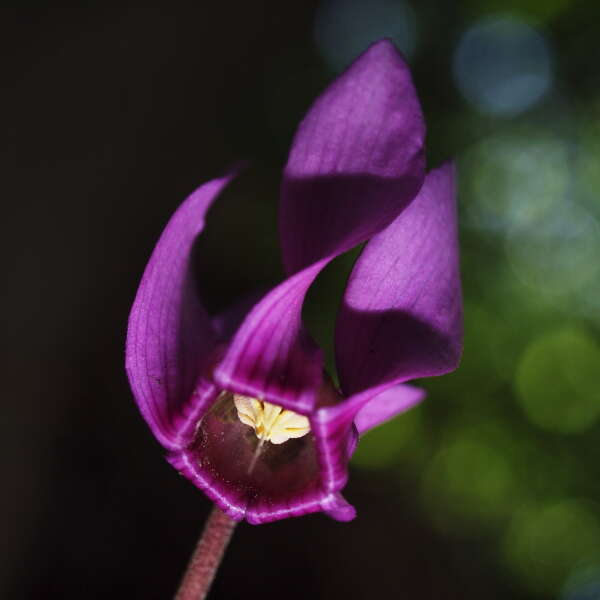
{"x":270,"y":422}
{"x":241,"y":440}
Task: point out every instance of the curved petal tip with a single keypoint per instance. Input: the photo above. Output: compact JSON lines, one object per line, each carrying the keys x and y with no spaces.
{"x":338,"y":508}
{"x":169,"y":333}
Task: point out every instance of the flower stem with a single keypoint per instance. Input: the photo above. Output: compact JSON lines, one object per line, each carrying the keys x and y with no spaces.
{"x":207,"y":556}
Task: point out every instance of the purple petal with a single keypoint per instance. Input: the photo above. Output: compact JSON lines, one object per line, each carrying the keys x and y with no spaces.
{"x":337,"y":427}
{"x":387,"y":405}
{"x":272,"y":356}
{"x":401,"y":316}
{"x":338,"y":508}
{"x":169,"y":334}
{"x":335,"y":437}
{"x":356,"y":161}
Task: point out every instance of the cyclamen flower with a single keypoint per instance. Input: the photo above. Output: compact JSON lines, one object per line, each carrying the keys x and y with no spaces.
{"x":240,"y":401}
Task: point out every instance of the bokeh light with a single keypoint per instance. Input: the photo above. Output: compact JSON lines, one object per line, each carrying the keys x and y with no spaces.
{"x":588,"y":155}
{"x":388,"y":444}
{"x":503,"y":66}
{"x":559,"y":254}
{"x":540,"y":10}
{"x":515,"y":178}
{"x":544,"y":544}
{"x":470,"y":483}
{"x":345,"y":28}
{"x":589,"y":300}
{"x":583,"y":584}
{"x":557,"y":381}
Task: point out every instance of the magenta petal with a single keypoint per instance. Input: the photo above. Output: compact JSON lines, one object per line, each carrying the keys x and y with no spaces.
{"x":271,"y":355}
{"x":169,"y":333}
{"x":356,"y":161}
{"x":401,"y":316}
{"x":338,"y":508}
{"x":387,"y":405}
{"x":337,"y":427}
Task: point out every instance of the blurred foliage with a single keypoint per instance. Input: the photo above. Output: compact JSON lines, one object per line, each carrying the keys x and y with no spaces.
{"x":525,"y":8}
{"x":569,"y":359}
{"x":504,"y":450}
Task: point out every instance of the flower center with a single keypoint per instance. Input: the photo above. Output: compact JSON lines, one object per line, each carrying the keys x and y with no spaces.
{"x":240,"y":443}
{"x":270,"y":422}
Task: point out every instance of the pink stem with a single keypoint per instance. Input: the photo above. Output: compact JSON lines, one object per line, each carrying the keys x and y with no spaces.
{"x":207,"y":557}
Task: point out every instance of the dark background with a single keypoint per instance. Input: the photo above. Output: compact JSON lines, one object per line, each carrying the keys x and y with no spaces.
{"x":113,"y":113}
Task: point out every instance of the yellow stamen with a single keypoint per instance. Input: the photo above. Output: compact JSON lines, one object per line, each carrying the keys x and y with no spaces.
{"x":270,"y":422}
